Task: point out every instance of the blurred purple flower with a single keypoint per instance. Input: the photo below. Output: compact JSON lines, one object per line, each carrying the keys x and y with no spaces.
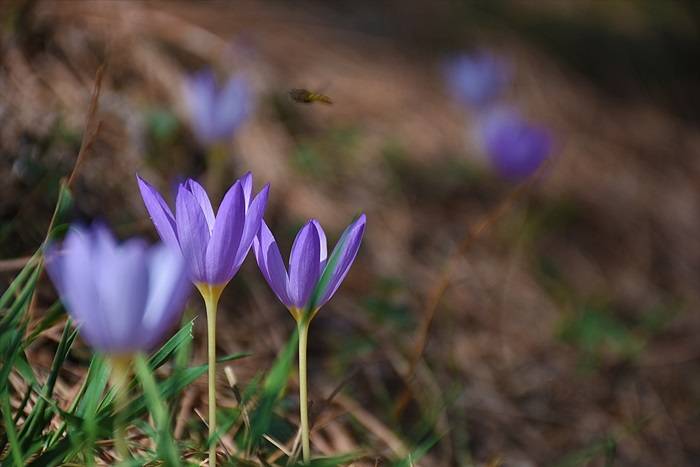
{"x":216,"y":112}
{"x":124,"y":297}
{"x":214,"y":247}
{"x":515,"y":148}
{"x":477,"y":79}
{"x":307,"y":263}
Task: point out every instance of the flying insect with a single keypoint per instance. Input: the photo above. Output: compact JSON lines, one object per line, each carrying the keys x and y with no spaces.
{"x":304,"y":96}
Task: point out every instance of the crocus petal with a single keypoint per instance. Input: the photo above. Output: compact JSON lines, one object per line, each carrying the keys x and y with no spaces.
{"x":515,"y":147}
{"x":253,"y":218}
{"x":477,"y":79}
{"x":203,"y":200}
{"x":247,"y":183}
{"x":232,"y":107}
{"x":121,"y":307}
{"x":270,"y":262}
{"x":80,"y":301}
{"x":304,"y":265}
{"x":193,"y":232}
{"x":55,"y":262}
{"x":160,"y":213}
{"x":322,"y":242}
{"x":199,"y":94}
{"x":121,"y":297}
{"x":349,"y":244}
{"x":169,"y":288}
{"x":226,"y":237}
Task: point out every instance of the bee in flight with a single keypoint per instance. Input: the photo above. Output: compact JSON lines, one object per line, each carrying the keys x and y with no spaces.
{"x":305,"y":96}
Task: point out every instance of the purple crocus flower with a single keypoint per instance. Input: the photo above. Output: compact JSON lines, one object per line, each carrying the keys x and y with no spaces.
{"x":216,"y":112}
{"x":476,"y":79}
{"x":214,"y":247}
{"x":309,"y":264}
{"x":124,"y":297}
{"x":515,"y":148}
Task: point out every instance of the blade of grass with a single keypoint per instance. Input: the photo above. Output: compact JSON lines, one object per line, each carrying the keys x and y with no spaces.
{"x":14,"y":313}
{"x":52,"y":316}
{"x":167,"y":450}
{"x":273,"y":387}
{"x":181,"y":337}
{"x":37,"y":420}
{"x":19,"y":281}
{"x":15,"y":448}
{"x":233,"y":356}
{"x":97,"y":371}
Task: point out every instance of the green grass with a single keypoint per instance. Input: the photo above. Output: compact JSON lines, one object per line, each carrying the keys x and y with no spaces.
{"x":40,"y":430}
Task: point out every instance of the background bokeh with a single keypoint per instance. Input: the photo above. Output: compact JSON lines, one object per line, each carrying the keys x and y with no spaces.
{"x":568,"y":333}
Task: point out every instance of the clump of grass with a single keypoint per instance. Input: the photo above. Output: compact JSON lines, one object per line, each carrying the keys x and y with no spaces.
{"x":45,"y":425}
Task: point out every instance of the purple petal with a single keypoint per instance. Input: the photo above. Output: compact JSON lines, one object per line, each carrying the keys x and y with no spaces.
{"x":199,"y":93}
{"x":515,"y":147}
{"x":169,"y":289}
{"x":270,"y":262}
{"x":193,"y":232}
{"x":203,"y":200}
{"x":160,"y":213}
{"x":253,"y":219}
{"x":322,"y":242}
{"x":477,"y":79}
{"x":231,"y":107}
{"x":122,"y":297}
{"x":55,"y":261}
{"x":81,"y":302}
{"x":349,"y":244}
{"x":226,"y":237}
{"x":247,"y":183}
{"x":121,"y":281}
{"x":304,"y":265}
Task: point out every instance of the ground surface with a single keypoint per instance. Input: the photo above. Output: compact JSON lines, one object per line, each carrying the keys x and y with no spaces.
{"x":568,"y":334}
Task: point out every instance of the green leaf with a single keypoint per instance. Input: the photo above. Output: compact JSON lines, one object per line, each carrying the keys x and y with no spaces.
{"x":233,"y":356}
{"x":52,"y":316}
{"x":331,"y":461}
{"x":273,"y":387}
{"x":167,"y":451}
{"x":19,"y":281}
{"x":37,"y":420}
{"x":182,"y":337}
{"x":96,"y":381}
{"x":418,"y":453}
{"x":10,"y":346}
{"x":89,"y":393}
{"x":19,"y":306}
{"x":167,"y":389}
{"x":15,"y":448}
{"x":63,"y":206}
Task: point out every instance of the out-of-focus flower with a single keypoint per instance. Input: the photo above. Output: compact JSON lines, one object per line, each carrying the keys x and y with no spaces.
{"x":477,"y":79}
{"x":216,"y":112}
{"x":515,"y":148}
{"x":214,"y":247}
{"x":309,"y":264}
{"x":124,"y":297}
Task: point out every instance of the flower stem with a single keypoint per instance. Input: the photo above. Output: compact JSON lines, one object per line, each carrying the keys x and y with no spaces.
{"x":120,"y":377}
{"x":211,"y":295}
{"x":303,"y":327}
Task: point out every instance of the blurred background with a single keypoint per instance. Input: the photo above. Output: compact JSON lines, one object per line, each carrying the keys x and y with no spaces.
{"x":567,"y":333}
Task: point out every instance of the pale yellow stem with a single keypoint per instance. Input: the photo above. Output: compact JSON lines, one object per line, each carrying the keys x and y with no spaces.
{"x":121,"y":366}
{"x":211,"y":295}
{"x":303,"y":326}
